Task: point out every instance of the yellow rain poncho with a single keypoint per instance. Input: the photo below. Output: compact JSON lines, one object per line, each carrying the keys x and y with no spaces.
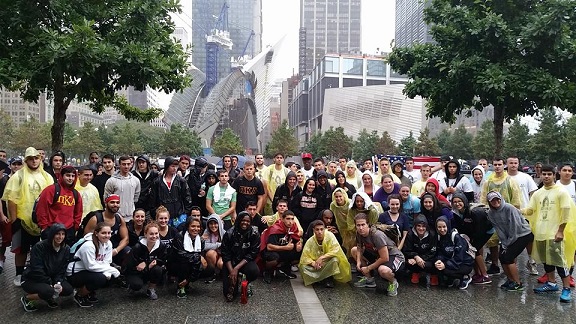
{"x":505,"y":185}
{"x":336,"y":266}
{"x":548,"y":208}
{"x":22,"y":189}
{"x":341,"y":215}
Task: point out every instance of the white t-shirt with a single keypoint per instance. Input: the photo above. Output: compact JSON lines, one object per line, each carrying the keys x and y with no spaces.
{"x":463,"y":185}
{"x":571,"y":189}
{"x":308,"y":173}
{"x":439,"y":175}
{"x":526,"y":184}
{"x":413,"y":175}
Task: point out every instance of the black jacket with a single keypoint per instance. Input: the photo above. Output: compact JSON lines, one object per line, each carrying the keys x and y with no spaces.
{"x":283,"y":191}
{"x":179,"y":255}
{"x":47,"y":265}
{"x":424,"y":247}
{"x":139,"y":254}
{"x":146,"y":181}
{"x":237,"y":246}
{"x":177,"y":199}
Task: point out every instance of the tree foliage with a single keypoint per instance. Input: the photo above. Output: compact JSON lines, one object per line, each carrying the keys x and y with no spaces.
{"x":426,"y":146}
{"x":483,"y":144}
{"x":84,"y":140}
{"x":548,"y":144}
{"x":315,"y":145}
{"x":517,"y":140}
{"x":570,"y":133}
{"x":31,"y":133}
{"x":89,"y":50}
{"x":283,"y":141}
{"x":386,"y":145}
{"x":407,"y":145}
{"x":180,"y":140}
{"x":336,"y":143}
{"x":365,"y":145}
{"x":459,"y":144}
{"x":227,"y":143}
{"x":443,"y":138}
{"x":517,"y":56}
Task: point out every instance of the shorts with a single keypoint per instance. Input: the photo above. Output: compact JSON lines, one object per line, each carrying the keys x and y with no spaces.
{"x":5,"y":234}
{"x":493,"y":241}
{"x":479,"y":241}
{"x":22,"y":241}
{"x":394,"y":263}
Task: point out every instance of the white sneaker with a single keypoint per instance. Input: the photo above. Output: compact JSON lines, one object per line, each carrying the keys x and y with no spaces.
{"x":18,"y":281}
{"x":531,"y":267}
{"x":294,"y":268}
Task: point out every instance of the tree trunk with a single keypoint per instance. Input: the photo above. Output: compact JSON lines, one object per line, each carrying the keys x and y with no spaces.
{"x":498,"y":130}
{"x":60,"y":106}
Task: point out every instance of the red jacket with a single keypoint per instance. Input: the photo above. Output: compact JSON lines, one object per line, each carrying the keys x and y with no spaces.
{"x":66,"y":210}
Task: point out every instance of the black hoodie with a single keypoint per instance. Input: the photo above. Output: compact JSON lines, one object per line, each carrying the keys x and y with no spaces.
{"x":472,"y":222}
{"x":46,"y":264}
{"x":459,"y":176}
{"x":453,"y":253}
{"x":325,"y":193}
{"x":424,"y":247}
{"x":146,"y":180}
{"x":238,"y":244}
{"x":283,"y":191}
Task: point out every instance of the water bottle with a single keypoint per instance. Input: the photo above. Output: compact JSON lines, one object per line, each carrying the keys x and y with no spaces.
{"x":57,"y":290}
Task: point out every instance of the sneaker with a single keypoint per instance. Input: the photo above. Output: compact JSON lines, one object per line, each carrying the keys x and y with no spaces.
{"x":481,"y":280}
{"x":181,"y":293}
{"x":565,"y":296}
{"x":82,"y":301}
{"x":294,"y":268}
{"x":514,"y":286}
{"x":92,"y":297}
{"x":506,"y":284}
{"x":572,"y":282}
{"x":434,"y":280}
{"x":268,"y":277}
{"x":364,"y":282}
{"x":393,"y":288}
{"x":465,"y":282}
{"x":151,"y":293}
{"x":531,"y":267}
{"x":543,"y":278}
{"x":29,"y":305}
{"x":52,"y":303}
{"x":493,"y":270}
{"x":329,"y":282}
{"x":547,"y":287}
{"x":287,"y":273}
{"x":415,"y":279}
{"x":210,"y":280}
{"x":18,"y":280}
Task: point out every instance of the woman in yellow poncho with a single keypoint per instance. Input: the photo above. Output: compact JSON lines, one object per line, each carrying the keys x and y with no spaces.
{"x":322,"y":258}
{"x":339,"y":206}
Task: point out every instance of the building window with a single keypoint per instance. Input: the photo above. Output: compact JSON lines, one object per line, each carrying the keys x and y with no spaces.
{"x":376,"y":68}
{"x":352,"y":66}
{"x":331,"y":65}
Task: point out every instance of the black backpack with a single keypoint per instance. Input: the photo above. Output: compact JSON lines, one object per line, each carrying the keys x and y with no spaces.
{"x":87,"y":218}
{"x":54,"y":200}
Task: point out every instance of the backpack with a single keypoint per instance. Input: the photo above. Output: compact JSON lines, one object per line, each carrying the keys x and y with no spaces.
{"x":471,"y":250}
{"x":54,"y":200}
{"x":72,"y":258}
{"x":392,"y":231}
{"x":80,"y":232}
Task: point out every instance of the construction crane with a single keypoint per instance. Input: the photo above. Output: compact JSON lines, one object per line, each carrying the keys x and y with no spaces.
{"x":243,"y":58}
{"x":219,"y":37}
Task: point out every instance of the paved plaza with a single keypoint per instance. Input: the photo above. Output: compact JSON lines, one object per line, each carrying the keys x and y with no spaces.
{"x":290,"y":302}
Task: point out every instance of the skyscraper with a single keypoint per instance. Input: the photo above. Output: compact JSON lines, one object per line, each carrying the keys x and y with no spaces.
{"x":244,"y":16}
{"x":327,"y":27}
{"x":410,"y":25}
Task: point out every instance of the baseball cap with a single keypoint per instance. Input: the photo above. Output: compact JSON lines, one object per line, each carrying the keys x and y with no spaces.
{"x":493,"y":195}
{"x":31,"y":152}
{"x":16,"y":159}
{"x":306,"y":155}
{"x":445,"y":158}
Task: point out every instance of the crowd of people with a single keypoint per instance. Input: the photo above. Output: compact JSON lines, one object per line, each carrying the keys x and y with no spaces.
{"x":132,"y":224}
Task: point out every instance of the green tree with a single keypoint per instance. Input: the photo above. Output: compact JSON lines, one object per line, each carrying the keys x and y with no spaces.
{"x":31,"y":133}
{"x":517,"y":140}
{"x":459,"y":144}
{"x":483,"y":144}
{"x":365,"y":145}
{"x":125,"y":140}
{"x":570,"y":129}
{"x":283,"y":141}
{"x":336,"y":143}
{"x":6,"y":130}
{"x":227,"y":143}
{"x":88,"y":50}
{"x":407,"y":145}
{"x":549,"y":143}
{"x":427,"y":146}
{"x":84,"y":141}
{"x":152,"y":140}
{"x":315,"y":145}
{"x":443,"y":139}
{"x":181,"y":140}
{"x":386,"y":145}
{"x":515,"y":55}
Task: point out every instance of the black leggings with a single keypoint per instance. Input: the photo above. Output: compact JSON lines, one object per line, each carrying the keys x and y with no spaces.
{"x":509,"y":255}
{"x":137,"y":280}
{"x":44,"y":290}
{"x":187,"y":270}
{"x":463,"y":270}
{"x":284,"y":257}
{"x":91,"y":280}
{"x":428,"y":268}
{"x":562,"y":272}
{"x":251,"y":271}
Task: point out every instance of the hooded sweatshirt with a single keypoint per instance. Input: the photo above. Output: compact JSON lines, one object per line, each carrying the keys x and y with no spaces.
{"x":460,"y":182}
{"x":425,"y":246}
{"x":324,"y":192}
{"x":239,"y":244}
{"x":140,"y":253}
{"x":404,"y":180}
{"x":438,"y":209}
{"x":90,"y":261}
{"x":439,"y":196}
{"x":350,"y":189}
{"x":128,"y":188}
{"x":146,"y":179}
{"x":284,"y":192}
{"x":213,"y":241}
{"x":66,"y":210}
{"x":46,"y":264}
{"x":452,"y":253}
{"x":508,"y":222}
{"x":471,"y":221}
{"x":477,"y":187}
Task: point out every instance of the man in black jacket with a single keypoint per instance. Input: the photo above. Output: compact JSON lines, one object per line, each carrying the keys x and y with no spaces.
{"x":171,"y":191}
{"x":146,"y":177}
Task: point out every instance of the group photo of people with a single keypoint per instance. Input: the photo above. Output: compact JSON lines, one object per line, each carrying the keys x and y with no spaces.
{"x":381,"y":223}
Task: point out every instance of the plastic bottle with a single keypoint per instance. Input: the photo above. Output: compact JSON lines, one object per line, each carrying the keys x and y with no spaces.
{"x":57,"y":290}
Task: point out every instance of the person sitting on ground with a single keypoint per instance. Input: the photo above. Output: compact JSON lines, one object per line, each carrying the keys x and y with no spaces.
{"x":212,"y":237}
{"x":453,"y":262}
{"x":514,"y":234}
{"x":420,"y":252}
{"x":146,"y":262}
{"x":281,"y":245}
{"x":393,"y":216}
{"x":187,"y":250}
{"x":474,"y":223}
{"x":136,"y":226}
{"x":322,"y":258}
{"x":240,"y":248}
{"x":91,"y":269}
{"x":47,"y":270}
{"x":375,"y":251}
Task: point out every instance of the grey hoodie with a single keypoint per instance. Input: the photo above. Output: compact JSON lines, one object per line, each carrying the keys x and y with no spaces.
{"x":508,"y":222}
{"x":128,"y":188}
{"x":209,"y":244}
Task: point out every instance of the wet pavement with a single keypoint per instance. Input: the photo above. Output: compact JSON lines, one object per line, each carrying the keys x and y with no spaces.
{"x":276,"y":303}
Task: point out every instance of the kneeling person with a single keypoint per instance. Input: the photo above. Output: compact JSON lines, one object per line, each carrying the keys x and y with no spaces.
{"x":281,"y":245}
{"x":323,"y":259}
